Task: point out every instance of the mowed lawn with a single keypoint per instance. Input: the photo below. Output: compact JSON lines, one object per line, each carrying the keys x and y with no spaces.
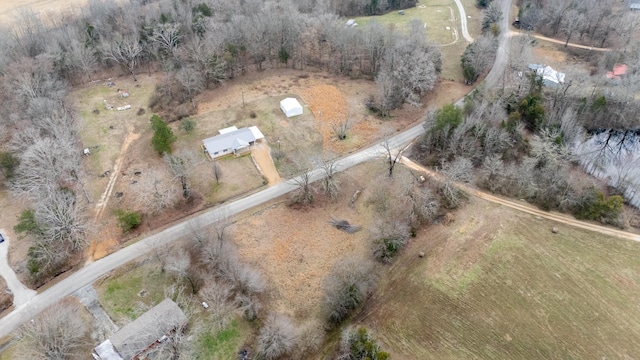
{"x":499,"y":285}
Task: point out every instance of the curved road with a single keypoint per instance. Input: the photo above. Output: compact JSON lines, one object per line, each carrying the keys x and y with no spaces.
{"x":21,"y":294}
{"x":463,"y":21}
{"x":93,"y":271}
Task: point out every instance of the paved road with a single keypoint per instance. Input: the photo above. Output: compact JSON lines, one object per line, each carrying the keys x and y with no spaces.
{"x":91,"y":272}
{"x":463,"y":21}
{"x":21,"y":294}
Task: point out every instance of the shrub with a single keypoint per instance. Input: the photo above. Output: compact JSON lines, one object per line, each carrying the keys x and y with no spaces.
{"x":187,"y":125}
{"x":163,"y":136}
{"x":449,"y":116}
{"x":387,"y":247}
{"x":8,"y":164}
{"x":359,"y":344}
{"x":595,"y":206}
{"x":27,"y":223}
{"x":349,"y":284}
{"x":128,"y":220}
{"x":278,"y":337}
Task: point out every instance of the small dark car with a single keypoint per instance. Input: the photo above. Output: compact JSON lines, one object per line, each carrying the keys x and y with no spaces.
{"x":1,"y":239}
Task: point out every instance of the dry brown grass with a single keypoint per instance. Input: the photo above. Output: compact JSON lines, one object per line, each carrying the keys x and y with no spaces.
{"x":498,"y":284}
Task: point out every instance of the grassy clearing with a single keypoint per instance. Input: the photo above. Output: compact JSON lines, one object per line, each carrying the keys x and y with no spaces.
{"x":120,"y":295}
{"x":500,"y":285}
{"x":104,"y":133}
{"x":223,"y":344}
{"x":239,"y":176}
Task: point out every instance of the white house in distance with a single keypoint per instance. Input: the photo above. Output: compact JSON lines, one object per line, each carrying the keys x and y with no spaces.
{"x":231,"y":140}
{"x":549,"y":76}
{"x":291,"y":107}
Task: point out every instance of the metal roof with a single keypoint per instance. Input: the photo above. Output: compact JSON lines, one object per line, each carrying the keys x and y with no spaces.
{"x":233,"y":140}
{"x":144,"y":331}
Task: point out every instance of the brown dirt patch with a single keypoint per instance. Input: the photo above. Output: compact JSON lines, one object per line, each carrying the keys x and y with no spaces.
{"x":329,"y":106}
{"x":294,"y":248}
{"x":261,"y":154}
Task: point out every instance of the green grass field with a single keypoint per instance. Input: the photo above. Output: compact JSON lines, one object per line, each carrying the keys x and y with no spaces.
{"x":120,"y":295}
{"x":500,"y":285}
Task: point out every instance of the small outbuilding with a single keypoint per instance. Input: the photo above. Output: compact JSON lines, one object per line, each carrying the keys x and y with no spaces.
{"x":550,"y":77}
{"x":291,"y":107}
{"x":619,"y":71}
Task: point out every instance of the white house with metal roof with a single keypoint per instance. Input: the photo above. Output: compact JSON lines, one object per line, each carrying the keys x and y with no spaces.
{"x":232,"y":140}
{"x":550,"y":77}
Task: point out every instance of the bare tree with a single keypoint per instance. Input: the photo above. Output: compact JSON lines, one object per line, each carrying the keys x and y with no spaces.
{"x":424,"y":204}
{"x":278,"y":337}
{"x":330,"y":184}
{"x":181,"y":165}
{"x":304,"y":195}
{"x":125,"y":51}
{"x":392,"y":159}
{"x":218,"y":295}
{"x":460,"y":170}
{"x":59,"y":333}
{"x":62,"y":219}
{"x":350,"y":283}
{"x":179,"y":263}
{"x":155,"y":191}
{"x":167,"y":36}
{"x":192,"y":81}
{"x":574,"y":21}
{"x":216,"y":171}
{"x":340,"y":128}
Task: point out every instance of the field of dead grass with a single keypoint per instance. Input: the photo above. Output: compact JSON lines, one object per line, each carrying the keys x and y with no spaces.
{"x":498,"y":284}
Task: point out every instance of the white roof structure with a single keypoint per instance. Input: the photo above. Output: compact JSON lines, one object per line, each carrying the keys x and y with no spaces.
{"x":227,"y":130}
{"x":231,"y":141}
{"x":549,"y":76}
{"x":142,"y":333}
{"x":291,"y":107}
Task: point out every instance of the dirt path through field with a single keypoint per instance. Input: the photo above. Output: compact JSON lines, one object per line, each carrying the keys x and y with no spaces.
{"x":561,"y":218}
{"x":104,"y":199}
{"x":261,"y":154}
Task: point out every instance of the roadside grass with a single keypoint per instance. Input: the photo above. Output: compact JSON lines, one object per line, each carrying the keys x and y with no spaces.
{"x":223,"y":344}
{"x":438,"y":15}
{"x":121,"y":294}
{"x":239,"y":176}
{"x":500,"y":285}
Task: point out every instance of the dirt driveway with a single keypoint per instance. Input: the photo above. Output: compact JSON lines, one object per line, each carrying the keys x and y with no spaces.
{"x":261,"y":155}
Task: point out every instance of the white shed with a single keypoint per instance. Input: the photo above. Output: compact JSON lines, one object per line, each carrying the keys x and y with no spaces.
{"x":291,"y":107}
